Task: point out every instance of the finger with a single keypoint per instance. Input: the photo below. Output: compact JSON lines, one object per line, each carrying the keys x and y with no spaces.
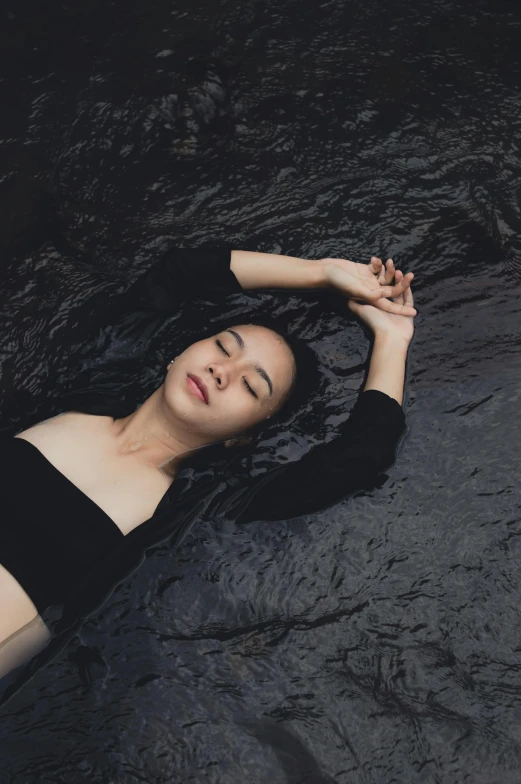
{"x":353,"y":306}
{"x":375,"y":265}
{"x":408,"y":297}
{"x":392,"y":306}
{"x":399,"y":287}
{"x":388,"y":272}
{"x":391,"y":292}
{"x":395,"y":307}
{"x":400,"y":298}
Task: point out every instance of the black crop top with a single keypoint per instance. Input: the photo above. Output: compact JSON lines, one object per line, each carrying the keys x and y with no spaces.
{"x":52,"y":536}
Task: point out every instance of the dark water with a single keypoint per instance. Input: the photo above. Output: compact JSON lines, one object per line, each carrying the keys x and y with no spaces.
{"x":375,"y":642}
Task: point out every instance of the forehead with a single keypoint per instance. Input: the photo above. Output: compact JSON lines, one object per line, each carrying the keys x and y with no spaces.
{"x":259,"y":340}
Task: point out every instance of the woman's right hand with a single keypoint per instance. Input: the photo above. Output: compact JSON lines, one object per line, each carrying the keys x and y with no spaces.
{"x":381,"y":321}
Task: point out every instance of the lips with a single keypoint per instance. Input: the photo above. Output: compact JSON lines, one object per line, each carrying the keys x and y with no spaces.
{"x":198,"y":387}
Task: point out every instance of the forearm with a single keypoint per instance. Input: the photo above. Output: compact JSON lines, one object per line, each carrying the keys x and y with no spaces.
{"x":387,"y":365}
{"x":269,"y":270}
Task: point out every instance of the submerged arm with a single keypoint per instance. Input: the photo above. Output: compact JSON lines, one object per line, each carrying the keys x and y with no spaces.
{"x":21,"y":646}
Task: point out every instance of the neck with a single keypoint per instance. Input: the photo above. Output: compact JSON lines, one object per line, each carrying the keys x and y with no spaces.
{"x":152,"y":438}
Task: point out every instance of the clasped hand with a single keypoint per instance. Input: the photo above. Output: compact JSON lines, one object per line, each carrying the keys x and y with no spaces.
{"x":393,"y":305}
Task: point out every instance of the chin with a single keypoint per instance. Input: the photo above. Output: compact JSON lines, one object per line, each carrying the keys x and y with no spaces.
{"x":185,"y":409}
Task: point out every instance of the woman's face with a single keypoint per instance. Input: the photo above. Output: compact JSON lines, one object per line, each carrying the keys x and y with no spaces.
{"x":246,"y":371}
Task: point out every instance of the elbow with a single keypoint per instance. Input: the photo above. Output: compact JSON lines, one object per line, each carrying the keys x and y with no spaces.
{"x":381,"y":463}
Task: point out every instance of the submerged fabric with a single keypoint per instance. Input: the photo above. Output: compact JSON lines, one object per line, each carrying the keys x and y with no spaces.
{"x":364,"y":447}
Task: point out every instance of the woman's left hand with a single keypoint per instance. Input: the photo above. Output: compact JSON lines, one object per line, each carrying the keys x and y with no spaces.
{"x":372,"y":283}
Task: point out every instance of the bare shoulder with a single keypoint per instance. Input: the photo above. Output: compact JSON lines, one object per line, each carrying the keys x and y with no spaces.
{"x":67,"y":420}
{"x":82,"y":447}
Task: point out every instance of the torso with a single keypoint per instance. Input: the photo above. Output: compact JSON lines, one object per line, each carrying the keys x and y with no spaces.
{"x":82,"y":447}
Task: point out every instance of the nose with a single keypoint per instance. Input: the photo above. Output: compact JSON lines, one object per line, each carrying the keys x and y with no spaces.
{"x":220,"y":374}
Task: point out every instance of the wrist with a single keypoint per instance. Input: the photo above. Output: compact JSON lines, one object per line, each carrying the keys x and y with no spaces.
{"x":396,"y":343}
{"x":318,"y":274}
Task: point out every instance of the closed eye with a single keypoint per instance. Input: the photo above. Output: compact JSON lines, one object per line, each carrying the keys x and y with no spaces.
{"x":222,"y":347}
{"x":245,"y":382}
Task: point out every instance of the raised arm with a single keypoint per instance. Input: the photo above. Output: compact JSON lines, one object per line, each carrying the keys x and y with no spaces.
{"x":183,"y":274}
{"x":365,"y":446}
{"x":366,"y":443}
{"x":370,"y":283}
{"x":186,"y":274}
{"x":212,"y":273}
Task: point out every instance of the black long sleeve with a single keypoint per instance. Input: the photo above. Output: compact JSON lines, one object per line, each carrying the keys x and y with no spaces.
{"x":365,"y":446}
{"x":180,"y":275}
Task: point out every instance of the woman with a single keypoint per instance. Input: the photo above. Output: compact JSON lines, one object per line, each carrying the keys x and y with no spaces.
{"x":104,"y":485}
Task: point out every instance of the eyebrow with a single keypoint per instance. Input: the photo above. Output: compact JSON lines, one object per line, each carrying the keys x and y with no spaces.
{"x":260,"y":370}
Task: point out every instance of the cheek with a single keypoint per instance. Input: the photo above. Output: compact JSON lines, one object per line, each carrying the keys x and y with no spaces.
{"x":236,"y":407}
{"x":235,"y":412}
